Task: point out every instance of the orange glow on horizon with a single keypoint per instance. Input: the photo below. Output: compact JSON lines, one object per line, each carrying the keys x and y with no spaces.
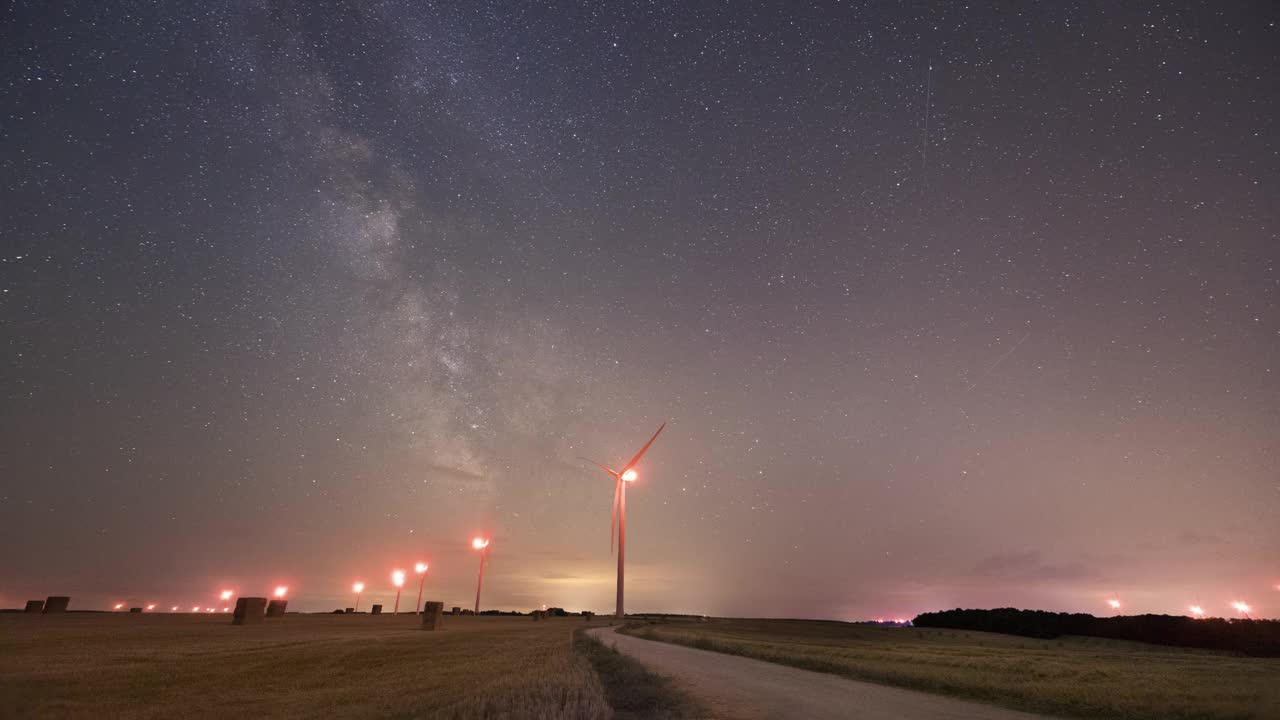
{"x":1197,"y":611}
{"x":1115,"y":604}
{"x":226,"y":594}
{"x":118,"y":606}
{"x":152,"y":606}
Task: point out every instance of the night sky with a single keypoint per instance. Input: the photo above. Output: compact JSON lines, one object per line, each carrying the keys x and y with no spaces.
{"x":945,"y":305}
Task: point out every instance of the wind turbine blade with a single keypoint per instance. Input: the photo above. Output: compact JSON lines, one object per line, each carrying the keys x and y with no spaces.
{"x":602,"y":467}
{"x":613,"y":522}
{"x":640,"y":454}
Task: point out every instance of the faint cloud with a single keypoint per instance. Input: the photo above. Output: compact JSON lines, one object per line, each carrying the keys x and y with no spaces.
{"x":1028,"y":566}
{"x":1196,"y":538}
{"x":455,"y":473}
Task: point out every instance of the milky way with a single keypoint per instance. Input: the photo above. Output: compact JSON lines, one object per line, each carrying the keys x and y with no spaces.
{"x":301,"y":292}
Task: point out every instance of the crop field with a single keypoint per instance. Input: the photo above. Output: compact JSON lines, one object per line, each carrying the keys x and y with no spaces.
{"x":118,"y":665}
{"x":1076,"y":677}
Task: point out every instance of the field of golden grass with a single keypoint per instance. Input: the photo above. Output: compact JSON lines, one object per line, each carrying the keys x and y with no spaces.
{"x":1077,"y":677}
{"x":118,"y":665}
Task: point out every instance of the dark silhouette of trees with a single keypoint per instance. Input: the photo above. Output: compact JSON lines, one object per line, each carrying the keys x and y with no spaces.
{"x":1260,"y":638}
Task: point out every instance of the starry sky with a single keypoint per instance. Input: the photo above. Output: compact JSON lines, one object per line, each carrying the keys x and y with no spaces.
{"x":946,"y":305}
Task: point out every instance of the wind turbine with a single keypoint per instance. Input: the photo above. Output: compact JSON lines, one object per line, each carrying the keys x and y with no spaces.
{"x":621,"y":478}
{"x":481,"y":544}
{"x":421,"y":569}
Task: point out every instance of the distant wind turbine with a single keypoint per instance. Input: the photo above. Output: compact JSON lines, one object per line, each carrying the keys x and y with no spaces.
{"x":621,"y":478}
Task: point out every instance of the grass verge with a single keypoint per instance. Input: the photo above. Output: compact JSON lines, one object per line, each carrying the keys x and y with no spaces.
{"x":634,"y":692}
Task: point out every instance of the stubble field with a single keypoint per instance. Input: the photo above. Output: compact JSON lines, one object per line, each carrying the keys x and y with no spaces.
{"x":95,"y":665}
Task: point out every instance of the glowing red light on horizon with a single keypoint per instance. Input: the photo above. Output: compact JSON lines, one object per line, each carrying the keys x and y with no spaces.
{"x":173,"y":609}
{"x":226,"y":594}
{"x":195,"y":609}
{"x":226,"y":609}
{"x":119,"y":606}
{"x":420,"y":568}
{"x":1197,"y":611}
{"x":1241,"y":607}
{"x":1115,"y":604}
{"x":630,"y":475}
{"x":281,"y":590}
{"x":152,"y":606}
{"x":480,"y":543}
{"x":358,"y":587}
{"x":397,"y":578}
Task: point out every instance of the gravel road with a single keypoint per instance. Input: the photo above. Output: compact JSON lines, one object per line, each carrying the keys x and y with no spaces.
{"x":742,"y":688}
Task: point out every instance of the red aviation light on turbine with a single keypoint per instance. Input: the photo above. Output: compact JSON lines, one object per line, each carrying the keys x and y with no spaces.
{"x":397,"y":578}
{"x":226,"y":594}
{"x":1115,"y":604}
{"x":358,"y":587}
{"x":479,"y":543}
{"x":281,"y":591}
{"x":420,"y":568}
{"x":1197,"y":611}
{"x":630,"y":476}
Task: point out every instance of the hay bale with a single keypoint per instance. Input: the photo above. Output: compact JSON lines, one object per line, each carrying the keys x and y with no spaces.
{"x":276,"y":608}
{"x":34,"y":606}
{"x":588,"y":615}
{"x":135,"y":610}
{"x":457,"y":610}
{"x":377,"y":610}
{"x":56,"y":604}
{"x":249,"y":611}
{"x":432,"y":614}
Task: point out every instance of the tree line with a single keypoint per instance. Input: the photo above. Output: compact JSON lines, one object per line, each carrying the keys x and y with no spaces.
{"x":1259,"y":638}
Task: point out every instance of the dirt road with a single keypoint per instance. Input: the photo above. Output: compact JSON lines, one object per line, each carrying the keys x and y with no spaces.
{"x":742,"y":688}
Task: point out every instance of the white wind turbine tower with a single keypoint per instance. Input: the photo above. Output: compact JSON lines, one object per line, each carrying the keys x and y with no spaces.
{"x":621,"y":477}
